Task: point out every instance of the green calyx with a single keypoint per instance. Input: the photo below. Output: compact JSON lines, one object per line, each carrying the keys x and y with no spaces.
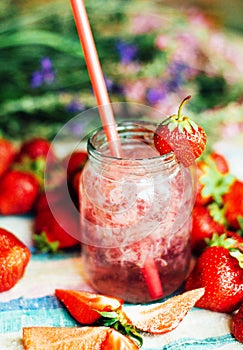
{"x":240,"y":221}
{"x":43,"y":245}
{"x":235,"y":248}
{"x":215,"y":184}
{"x":180,"y":121}
{"x":217,"y":213}
{"x":33,"y":166}
{"x":118,"y":321}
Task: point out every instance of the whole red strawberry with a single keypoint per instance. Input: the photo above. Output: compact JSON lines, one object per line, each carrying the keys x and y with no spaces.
{"x":14,"y":257}
{"x":56,"y":232}
{"x":7,"y":155}
{"x":233,"y":204}
{"x":49,"y":198}
{"x":237,"y":325}
{"x":206,"y":220}
{"x":34,"y":148}
{"x":181,"y":135}
{"x":220,"y":162}
{"x":75,"y":162}
{"x":18,"y":192}
{"x":219,"y":269}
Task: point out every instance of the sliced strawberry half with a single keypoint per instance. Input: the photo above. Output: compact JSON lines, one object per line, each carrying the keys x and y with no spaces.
{"x":78,"y":338}
{"x":164,"y":317}
{"x":86,"y":307}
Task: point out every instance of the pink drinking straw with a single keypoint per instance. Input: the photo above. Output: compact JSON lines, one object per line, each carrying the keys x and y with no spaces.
{"x":149,"y":269}
{"x":96,"y":76}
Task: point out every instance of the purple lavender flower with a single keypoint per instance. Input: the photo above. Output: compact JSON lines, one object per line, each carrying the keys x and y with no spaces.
{"x":155,"y":95}
{"x":178,"y":73}
{"x":77,"y":127}
{"x":75,"y":106}
{"x":109,"y":83}
{"x":45,"y":75}
{"x":112,"y":86}
{"x":127,"y":52}
{"x":36,"y":79}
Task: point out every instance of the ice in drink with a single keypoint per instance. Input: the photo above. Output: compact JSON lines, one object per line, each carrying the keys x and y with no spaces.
{"x":135,"y":212}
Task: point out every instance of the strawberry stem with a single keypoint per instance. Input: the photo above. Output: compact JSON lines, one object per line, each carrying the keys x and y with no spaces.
{"x":181,"y":105}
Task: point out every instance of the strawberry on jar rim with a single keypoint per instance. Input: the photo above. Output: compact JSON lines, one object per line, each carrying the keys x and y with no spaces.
{"x":183,"y":136}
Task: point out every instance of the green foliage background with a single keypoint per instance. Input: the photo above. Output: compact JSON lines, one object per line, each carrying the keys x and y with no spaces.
{"x":29,"y":32}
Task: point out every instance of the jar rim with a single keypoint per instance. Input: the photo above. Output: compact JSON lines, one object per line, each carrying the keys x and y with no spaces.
{"x":141,"y":127}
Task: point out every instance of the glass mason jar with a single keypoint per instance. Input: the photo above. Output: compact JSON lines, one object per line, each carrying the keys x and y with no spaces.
{"x":135,"y":214}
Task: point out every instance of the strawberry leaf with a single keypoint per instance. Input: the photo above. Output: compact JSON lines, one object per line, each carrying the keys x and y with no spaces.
{"x":119,"y":322}
{"x":240,"y":220}
{"x":214,"y":183}
{"x":237,"y":254}
{"x":221,"y":241}
{"x":33,"y":166}
{"x":217,"y":213}
{"x":186,"y":126}
{"x":193,"y":125}
{"x":172,"y":126}
{"x":235,"y":248}
{"x":43,"y":245}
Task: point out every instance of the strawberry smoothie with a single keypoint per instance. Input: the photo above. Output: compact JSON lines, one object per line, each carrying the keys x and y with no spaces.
{"x":135,"y":215}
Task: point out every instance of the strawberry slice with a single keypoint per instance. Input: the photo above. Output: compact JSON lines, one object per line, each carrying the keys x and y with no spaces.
{"x":14,"y":257}
{"x":116,"y":340}
{"x":181,"y":135}
{"x":78,"y":338}
{"x":85,"y":307}
{"x":164,"y":317}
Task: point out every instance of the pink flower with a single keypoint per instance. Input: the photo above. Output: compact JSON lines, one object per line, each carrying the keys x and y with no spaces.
{"x":162,"y":41}
{"x":198,"y":19}
{"x":232,"y":129}
{"x":135,"y":91}
{"x":146,"y":23}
